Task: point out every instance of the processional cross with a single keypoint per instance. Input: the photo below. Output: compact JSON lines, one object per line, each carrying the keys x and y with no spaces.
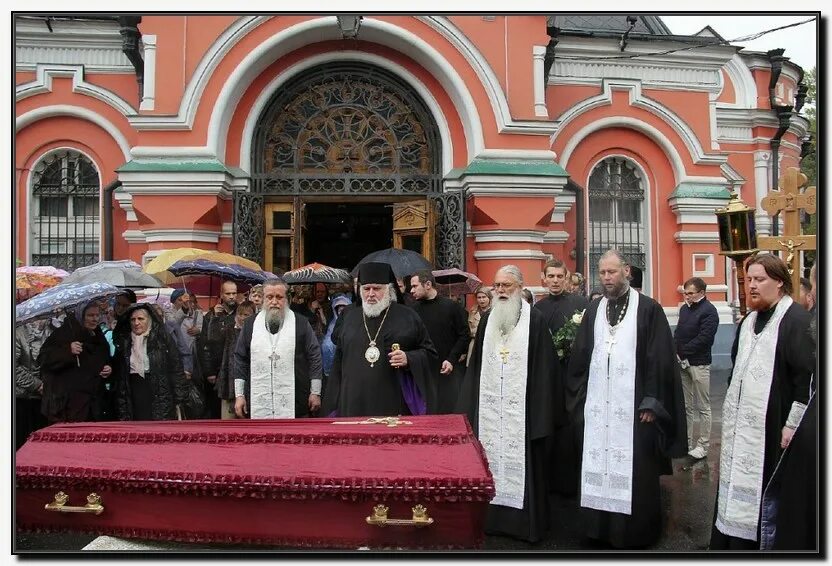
{"x":790,"y":200}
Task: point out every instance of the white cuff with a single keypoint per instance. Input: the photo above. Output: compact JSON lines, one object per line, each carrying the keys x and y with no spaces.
{"x":239,"y":387}
{"x":316,"y":387}
{"x":795,"y":415}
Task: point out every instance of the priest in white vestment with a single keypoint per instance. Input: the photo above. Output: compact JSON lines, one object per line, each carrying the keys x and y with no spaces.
{"x":507,"y":395}
{"x":277,"y":361}
{"x":624,"y":397}
{"x":767,"y":395}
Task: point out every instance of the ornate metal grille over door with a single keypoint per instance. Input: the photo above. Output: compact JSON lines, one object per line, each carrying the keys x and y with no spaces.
{"x":248,"y":226}
{"x":616,"y":214}
{"x":450,"y":233}
{"x":65,"y":211}
{"x":346,"y":129}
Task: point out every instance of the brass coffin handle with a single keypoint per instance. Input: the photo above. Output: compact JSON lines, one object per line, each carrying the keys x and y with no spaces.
{"x":93,"y":505}
{"x":379,"y":518}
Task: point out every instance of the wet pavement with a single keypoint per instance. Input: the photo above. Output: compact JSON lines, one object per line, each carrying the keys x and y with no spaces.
{"x":688,"y":498}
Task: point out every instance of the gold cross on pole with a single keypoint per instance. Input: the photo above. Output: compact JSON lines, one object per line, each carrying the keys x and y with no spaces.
{"x":790,"y":201}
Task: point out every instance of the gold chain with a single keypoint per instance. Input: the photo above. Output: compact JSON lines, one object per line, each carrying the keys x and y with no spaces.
{"x":373,"y":339}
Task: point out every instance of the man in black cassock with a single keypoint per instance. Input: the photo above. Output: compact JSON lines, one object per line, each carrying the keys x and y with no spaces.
{"x":624,"y":398}
{"x":558,"y":307}
{"x":447,"y":324}
{"x":384,"y":356}
{"x":507,"y":396}
{"x":766,"y":399}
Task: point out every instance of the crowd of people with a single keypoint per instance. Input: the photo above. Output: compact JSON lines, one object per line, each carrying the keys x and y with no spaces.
{"x":600,"y":422}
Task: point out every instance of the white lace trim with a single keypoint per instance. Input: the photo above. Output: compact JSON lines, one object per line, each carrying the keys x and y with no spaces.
{"x":607,"y":462}
{"x":273,"y":382}
{"x":502,"y":402}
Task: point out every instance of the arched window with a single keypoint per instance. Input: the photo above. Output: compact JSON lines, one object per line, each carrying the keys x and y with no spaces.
{"x":617,"y":213}
{"x":65,"y":211}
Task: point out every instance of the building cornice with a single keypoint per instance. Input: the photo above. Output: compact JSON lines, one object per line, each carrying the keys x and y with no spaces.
{"x":509,"y":254}
{"x":691,"y":237}
{"x":181,"y":235}
{"x":44,"y":73}
{"x":695,"y":210}
{"x":487,"y":236}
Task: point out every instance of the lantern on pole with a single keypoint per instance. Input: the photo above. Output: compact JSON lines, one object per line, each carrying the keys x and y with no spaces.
{"x":737,"y":238}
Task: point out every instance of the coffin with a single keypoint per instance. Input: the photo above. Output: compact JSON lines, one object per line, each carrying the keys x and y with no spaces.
{"x":412,"y":482}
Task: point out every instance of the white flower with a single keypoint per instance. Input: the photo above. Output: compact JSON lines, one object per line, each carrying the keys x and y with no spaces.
{"x":578,"y":317}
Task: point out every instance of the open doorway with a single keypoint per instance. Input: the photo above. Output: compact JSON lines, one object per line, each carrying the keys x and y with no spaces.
{"x":340,"y":234}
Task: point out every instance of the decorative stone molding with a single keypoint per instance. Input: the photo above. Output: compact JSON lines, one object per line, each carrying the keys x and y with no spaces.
{"x":93,"y":44}
{"x":531,"y":236}
{"x":539,"y":54}
{"x":695,"y":204}
{"x":149,"y":93}
{"x":134,"y":236}
{"x":730,"y":119}
{"x":44,"y":73}
{"x":745,"y":89}
{"x":556,"y":237}
{"x":691,"y":237}
{"x":180,"y":177}
{"x":181,"y":235}
{"x":509,"y":254}
{"x":509,"y":177}
{"x":564,"y":202}
{"x":708,"y":271}
{"x":125,"y":202}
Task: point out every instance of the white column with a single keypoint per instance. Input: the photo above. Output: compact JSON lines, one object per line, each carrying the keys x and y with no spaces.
{"x":539,"y":54}
{"x":712,"y":116}
{"x":762,"y":174}
{"x":149,"y":92}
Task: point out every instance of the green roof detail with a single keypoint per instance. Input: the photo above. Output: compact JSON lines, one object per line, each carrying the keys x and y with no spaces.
{"x":537,"y":167}
{"x":696,"y":190}
{"x":173,"y":165}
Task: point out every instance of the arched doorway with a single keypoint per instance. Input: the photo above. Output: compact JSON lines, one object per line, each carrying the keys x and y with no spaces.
{"x":346,"y":160}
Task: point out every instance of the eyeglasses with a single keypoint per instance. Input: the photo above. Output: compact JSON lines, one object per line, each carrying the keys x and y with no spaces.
{"x":502,"y":285}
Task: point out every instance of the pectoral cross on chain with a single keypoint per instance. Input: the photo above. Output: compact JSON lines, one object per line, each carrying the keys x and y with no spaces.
{"x":504,"y":352}
{"x":273,"y":357}
{"x":609,"y":342}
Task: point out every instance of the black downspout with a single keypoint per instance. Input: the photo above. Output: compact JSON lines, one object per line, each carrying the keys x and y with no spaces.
{"x":784,"y":114}
{"x":580,"y":227}
{"x":130,"y":38}
{"x":108,"y":218}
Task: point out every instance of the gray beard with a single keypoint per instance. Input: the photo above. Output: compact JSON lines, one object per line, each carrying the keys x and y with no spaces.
{"x":506,"y":314}
{"x":274,"y":320}
{"x":372,"y":311}
{"x":618,"y":291}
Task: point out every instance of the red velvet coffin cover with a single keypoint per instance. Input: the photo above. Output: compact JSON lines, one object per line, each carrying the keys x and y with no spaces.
{"x":304,"y":482}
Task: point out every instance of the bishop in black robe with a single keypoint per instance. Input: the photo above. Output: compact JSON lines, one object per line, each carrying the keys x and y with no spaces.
{"x":794,"y":363}
{"x":357,"y":387}
{"x":563,"y":456}
{"x":658,"y":387}
{"x":447,"y":325}
{"x":532,"y":522}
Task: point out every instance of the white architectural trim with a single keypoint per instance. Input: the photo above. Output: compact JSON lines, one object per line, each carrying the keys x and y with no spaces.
{"x":490,"y":82}
{"x":361,"y":56}
{"x":134,"y":236}
{"x":638,"y":100}
{"x":531,"y":236}
{"x":745,"y":89}
{"x":97,"y":46}
{"x":564,"y":202}
{"x":181,"y":235}
{"x":125,"y":202}
{"x":695,"y":210}
{"x":509,"y":254}
{"x":709,"y":265}
{"x":509,"y":185}
{"x":372,"y":30}
{"x":85,"y":114}
{"x":539,"y":86}
{"x":227,"y":230}
{"x":556,"y":237}
{"x":633,"y":123}
{"x":44,"y":73}
{"x":149,"y":86}
{"x":734,"y":178}
{"x":691,"y":237}
{"x":520,"y":154}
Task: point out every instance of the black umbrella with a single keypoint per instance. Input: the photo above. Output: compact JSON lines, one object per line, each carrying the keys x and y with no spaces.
{"x":403,"y":262}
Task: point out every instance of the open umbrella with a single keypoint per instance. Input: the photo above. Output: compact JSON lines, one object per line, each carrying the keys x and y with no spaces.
{"x":456,"y":282}
{"x":47,"y":270}
{"x":159,"y":266}
{"x":121,"y":273}
{"x":57,"y":299}
{"x":316,"y":273}
{"x":403,"y":262}
{"x":30,"y":280}
{"x":213,"y":273}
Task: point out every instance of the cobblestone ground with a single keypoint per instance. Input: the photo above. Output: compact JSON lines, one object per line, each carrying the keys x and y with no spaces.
{"x":688,"y":500}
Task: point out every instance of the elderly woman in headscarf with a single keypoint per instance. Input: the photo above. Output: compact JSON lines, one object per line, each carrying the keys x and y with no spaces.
{"x":74,"y":364}
{"x":153,"y":381}
{"x":475,"y":314}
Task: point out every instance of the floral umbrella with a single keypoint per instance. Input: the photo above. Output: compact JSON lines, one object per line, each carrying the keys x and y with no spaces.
{"x":316,"y":273}
{"x":58,"y":299}
{"x":456,"y":282}
{"x":31,"y":280}
{"x":42,"y":270}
